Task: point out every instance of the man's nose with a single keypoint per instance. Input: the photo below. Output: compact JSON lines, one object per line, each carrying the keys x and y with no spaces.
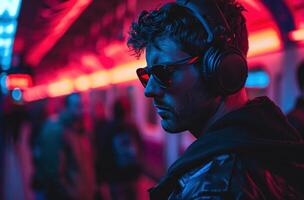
{"x":153,"y":89}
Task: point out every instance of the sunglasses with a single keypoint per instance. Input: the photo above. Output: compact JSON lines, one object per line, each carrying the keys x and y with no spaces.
{"x":163,"y":72}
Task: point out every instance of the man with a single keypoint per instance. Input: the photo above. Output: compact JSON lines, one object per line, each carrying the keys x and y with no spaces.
{"x":296,"y":116}
{"x":196,"y":70}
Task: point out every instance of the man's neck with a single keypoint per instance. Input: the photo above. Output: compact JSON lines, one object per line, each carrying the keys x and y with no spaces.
{"x":227,"y":105}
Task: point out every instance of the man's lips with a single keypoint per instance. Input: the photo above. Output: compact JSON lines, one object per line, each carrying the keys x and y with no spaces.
{"x":158,"y":107}
{"x":162,"y":111}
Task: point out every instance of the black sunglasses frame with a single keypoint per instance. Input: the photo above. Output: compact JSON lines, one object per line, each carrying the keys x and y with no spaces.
{"x":162,"y":71}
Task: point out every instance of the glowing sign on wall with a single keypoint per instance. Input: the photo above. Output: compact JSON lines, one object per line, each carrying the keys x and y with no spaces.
{"x":257,"y":79}
{"x":9,"y":11}
{"x":21,"y":81}
{"x":10,"y":8}
{"x":6,"y":48}
{"x":3,"y":86}
{"x":8,"y":29}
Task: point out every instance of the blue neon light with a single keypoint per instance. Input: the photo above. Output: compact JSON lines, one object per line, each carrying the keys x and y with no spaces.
{"x":9,"y":12}
{"x":6,"y":42}
{"x":6,"y":50}
{"x":257,"y":79}
{"x":10,"y":8}
{"x":3,"y":78}
{"x":17,"y":94}
{"x":5,"y":56}
{"x":8,"y":29}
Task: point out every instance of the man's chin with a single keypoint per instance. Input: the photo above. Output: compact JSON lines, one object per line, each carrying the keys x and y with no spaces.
{"x":170,"y":126}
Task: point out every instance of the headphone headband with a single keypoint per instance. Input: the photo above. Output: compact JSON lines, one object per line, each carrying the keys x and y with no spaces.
{"x":217,"y":27}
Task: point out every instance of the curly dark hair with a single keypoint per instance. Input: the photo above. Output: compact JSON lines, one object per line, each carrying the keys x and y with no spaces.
{"x":178,"y":23}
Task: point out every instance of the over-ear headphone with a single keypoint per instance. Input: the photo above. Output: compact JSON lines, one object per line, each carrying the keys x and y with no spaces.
{"x":224,"y":67}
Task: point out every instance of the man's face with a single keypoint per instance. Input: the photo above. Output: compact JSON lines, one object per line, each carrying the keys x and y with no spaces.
{"x":185,"y":104}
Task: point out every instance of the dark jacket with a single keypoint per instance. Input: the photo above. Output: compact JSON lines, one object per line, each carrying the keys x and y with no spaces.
{"x":296,"y":116}
{"x":250,"y":153}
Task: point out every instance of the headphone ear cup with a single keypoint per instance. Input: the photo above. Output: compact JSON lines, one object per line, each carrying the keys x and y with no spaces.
{"x":225,"y":70}
{"x":208,"y":64}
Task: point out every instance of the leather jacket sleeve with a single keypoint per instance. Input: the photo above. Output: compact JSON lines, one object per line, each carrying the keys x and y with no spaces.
{"x":230,"y":176}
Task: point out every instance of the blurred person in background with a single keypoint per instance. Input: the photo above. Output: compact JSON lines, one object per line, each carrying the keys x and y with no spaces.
{"x":64,"y":165}
{"x":41,"y":111}
{"x":1,"y":147}
{"x":1,"y":164}
{"x":100,"y":127}
{"x":296,"y":115}
{"x":121,"y":153}
{"x":77,"y":161}
{"x":16,"y":151}
{"x":46,"y":156}
{"x":196,"y":71}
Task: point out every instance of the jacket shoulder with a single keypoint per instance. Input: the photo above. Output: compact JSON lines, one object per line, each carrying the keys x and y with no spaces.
{"x":258,"y":179}
{"x":231,"y":176}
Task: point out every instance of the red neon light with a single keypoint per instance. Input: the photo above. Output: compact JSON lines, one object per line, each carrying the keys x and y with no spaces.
{"x":60,"y":88}
{"x":82,"y":83}
{"x":99,"y":79}
{"x":297,"y":35}
{"x":102,"y":78}
{"x":74,"y":9}
{"x":112,"y":49}
{"x":90,"y":61}
{"x":125,"y":72}
{"x":254,"y":4}
{"x":22,"y":81}
{"x":264,"y":42}
{"x":35,"y":93}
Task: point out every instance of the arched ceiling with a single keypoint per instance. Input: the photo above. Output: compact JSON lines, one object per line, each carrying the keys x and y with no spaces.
{"x":257,"y":16}
{"x":92,"y":35}
{"x":297,"y":10}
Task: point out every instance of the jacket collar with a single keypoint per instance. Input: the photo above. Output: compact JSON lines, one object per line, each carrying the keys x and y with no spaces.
{"x":300,"y":103}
